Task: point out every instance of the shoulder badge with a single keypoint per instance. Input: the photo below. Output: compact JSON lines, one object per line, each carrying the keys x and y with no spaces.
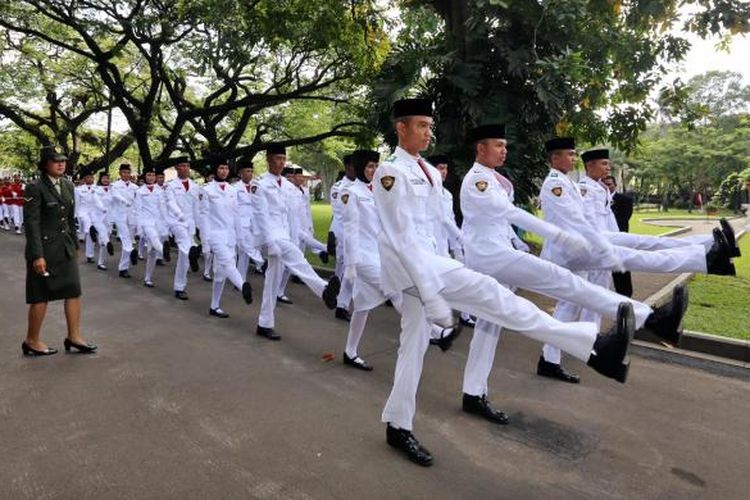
{"x":387,"y":182}
{"x":584,"y":191}
{"x":344,"y":198}
{"x":334,"y":195}
{"x":481,"y":186}
{"x":557,"y":191}
{"x":253,"y":188}
{"x":200,"y":196}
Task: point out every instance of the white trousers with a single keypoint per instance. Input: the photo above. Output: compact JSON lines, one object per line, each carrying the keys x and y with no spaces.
{"x":643,"y":242}
{"x":126,"y":241}
{"x":16,"y":212}
{"x":292,"y":258}
{"x":225,"y":268}
{"x":482,"y":296}
{"x":481,"y":357}
{"x":183,"y":236}
{"x":152,"y":239}
{"x":84,"y":219}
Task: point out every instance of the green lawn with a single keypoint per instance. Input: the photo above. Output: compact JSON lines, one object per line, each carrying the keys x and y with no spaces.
{"x":720,"y":305}
{"x":321,"y":214}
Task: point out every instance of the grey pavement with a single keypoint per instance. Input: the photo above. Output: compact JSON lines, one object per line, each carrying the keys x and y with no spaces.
{"x":180,"y":405}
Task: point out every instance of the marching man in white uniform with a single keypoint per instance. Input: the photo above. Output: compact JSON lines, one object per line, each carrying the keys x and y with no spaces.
{"x":301,"y":224}
{"x":487,"y":206}
{"x":249,"y":237}
{"x":182,"y":199}
{"x":87,"y":204}
{"x":101,"y":222}
{"x":407,"y":196}
{"x":563,"y":206}
{"x":281,"y":251}
{"x":121,"y":205}
{"x":220,"y":211}
{"x":149,"y":211}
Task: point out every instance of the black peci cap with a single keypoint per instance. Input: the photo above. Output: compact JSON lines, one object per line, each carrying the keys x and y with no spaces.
{"x":560,"y":143}
{"x":595,"y":154}
{"x":412,"y":107}
{"x":489,"y":131}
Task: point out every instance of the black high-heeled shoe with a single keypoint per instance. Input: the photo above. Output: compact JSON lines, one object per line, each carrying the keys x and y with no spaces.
{"x":30,"y":351}
{"x":86,"y":348}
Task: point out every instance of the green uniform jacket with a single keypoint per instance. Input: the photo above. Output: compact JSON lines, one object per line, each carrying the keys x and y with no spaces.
{"x":49,"y":223}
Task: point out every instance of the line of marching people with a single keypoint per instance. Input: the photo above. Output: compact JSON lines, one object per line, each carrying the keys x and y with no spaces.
{"x":396,"y":240}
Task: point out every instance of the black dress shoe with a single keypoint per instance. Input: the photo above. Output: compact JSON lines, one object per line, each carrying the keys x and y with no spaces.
{"x":159,"y":262}
{"x":556,"y":371}
{"x":134,"y":257}
{"x":268,"y":333}
{"x":86,"y":348}
{"x":30,"y":351}
{"x":93,"y":233}
{"x":357,"y":363}
{"x":404,"y":440}
{"x":719,"y":258}
{"x":166,"y":252}
{"x":479,"y":405}
{"x":89,"y":260}
{"x":343,"y":314}
{"x":467,"y":322}
{"x":610,"y":356}
{"x":218,"y":312}
{"x":207,"y":277}
{"x":101,"y":267}
{"x":447,"y":336}
{"x":124,"y":274}
{"x":193,"y":255}
{"x":666,"y":321}
{"x":728,"y":231}
{"x":284,"y":299}
{"x":148,"y":284}
{"x":331,"y":292}
{"x":323,"y":256}
{"x":110,"y":248}
{"x":181,"y":294}
{"x":247,"y":293}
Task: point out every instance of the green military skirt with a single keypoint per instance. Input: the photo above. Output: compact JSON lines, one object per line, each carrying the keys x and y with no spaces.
{"x":63,"y":282}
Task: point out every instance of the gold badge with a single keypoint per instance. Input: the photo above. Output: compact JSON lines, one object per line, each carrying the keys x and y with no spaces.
{"x":387,"y":182}
{"x":481,"y":186}
{"x":344,"y":198}
{"x":557,"y":191}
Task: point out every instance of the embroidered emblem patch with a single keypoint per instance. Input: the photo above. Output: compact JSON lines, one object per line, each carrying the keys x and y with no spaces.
{"x":387,"y":182}
{"x":557,"y":191}
{"x":335,"y":195}
{"x":584,"y":191}
{"x":481,"y":186}
{"x":344,"y":198}
{"x":253,"y":189}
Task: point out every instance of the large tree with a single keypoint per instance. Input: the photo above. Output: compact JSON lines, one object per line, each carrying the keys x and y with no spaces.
{"x":579,"y":67}
{"x":215,"y":68}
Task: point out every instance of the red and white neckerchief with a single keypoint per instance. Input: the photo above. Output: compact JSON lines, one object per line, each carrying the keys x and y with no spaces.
{"x":426,"y":172}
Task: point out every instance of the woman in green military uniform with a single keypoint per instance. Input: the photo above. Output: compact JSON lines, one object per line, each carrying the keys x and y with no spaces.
{"x":51,"y":255}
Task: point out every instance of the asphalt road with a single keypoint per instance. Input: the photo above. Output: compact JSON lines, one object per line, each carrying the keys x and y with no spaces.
{"x":180,"y":405}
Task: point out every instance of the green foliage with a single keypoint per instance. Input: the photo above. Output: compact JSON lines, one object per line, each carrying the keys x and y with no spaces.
{"x":578,"y":67}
